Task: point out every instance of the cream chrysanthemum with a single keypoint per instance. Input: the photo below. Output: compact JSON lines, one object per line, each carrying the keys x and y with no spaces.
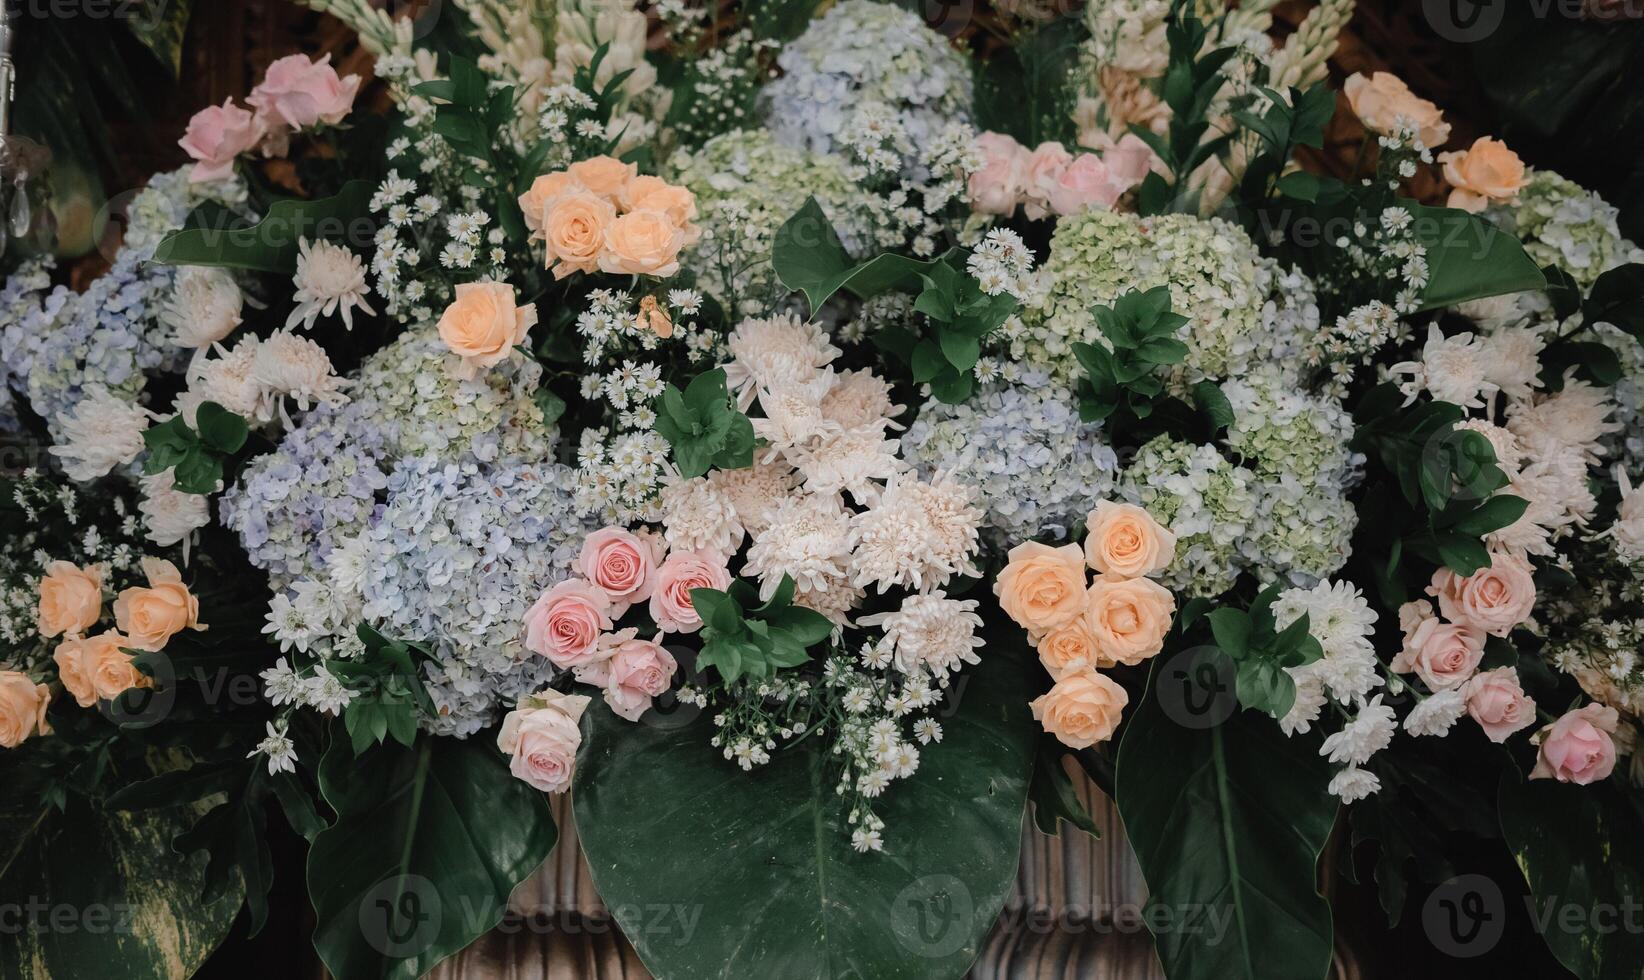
{"x":289,"y":365}
{"x":170,"y":514}
{"x":850,"y":460}
{"x":774,"y":352}
{"x":861,"y":398}
{"x":330,"y":280}
{"x":203,"y":308}
{"x":102,"y":432}
{"x":931,"y":633}
{"x":1578,"y":418}
{"x":226,"y":380}
{"x":809,"y":539}
{"x":754,"y":490}
{"x":918,"y":535}
{"x":696,"y":516}
{"x":793,"y":414}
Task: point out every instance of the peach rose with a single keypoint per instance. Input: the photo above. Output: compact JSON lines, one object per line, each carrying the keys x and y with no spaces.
{"x":1487,"y":171}
{"x":646,"y":193}
{"x":151,"y":616}
{"x":1492,"y":600}
{"x":997,"y":187}
{"x":1444,"y":655}
{"x":621,"y":564}
{"x":1067,"y":648}
{"x":632,"y":672}
{"x":1042,"y":587}
{"x":216,"y":136}
{"x":574,"y":229}
{"x":565,"y":623}
{"x":534,"y":202}
{"x":22,"y":708}
{"x":541,"y":737}
{"x":642,"y":243}
{"x":71,"y":599}
{"x":604,"y":175}
{"x":483,"y":324}
{"x":1578,"y":748}
{"x":1496,"y":700}
{"x":71,"y":670}
{"x":110,"y":667}
{"x":1127,"y":618}
{"x":1124,"y":541}
{"x":1083,"y":708}
{"x":683,"y":571}
{"x":1383,"y":103}
{"x":1039,"y":175}
{"x":298,"y":93}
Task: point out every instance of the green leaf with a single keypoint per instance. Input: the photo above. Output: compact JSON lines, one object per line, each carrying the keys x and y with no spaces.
{"x":271,"y":244}
{"x":1469,"y":258}
{"x":160,"y":28}
{"x":427,"y":845}
{"x":1231,"y":627}
{"x":1054,"y":800}
{"x":1494,"y":514}
{"x":808,"y":258}
{"x":1617,"y":298}
{"x":1210,"y":400}
{"x":1227,"y":823}
{"x":761,"y":861}
{"x":221,"y":429}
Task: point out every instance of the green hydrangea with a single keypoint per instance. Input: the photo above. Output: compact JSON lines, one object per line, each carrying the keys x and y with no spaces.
{"x":1206,"y":500}
{"x":1563,"y":224}
{"x":1212,"y":268}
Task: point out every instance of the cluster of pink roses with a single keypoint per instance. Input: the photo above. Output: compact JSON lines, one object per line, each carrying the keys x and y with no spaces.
{"x":295,"y":94}
{"x":1049,"y":180}
{"x":601,"y":213}
{"x":1119,"y":618}
{"x":572,"y":624}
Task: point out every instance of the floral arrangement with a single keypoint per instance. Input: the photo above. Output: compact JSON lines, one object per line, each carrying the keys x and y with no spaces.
{"x":715,"y":419}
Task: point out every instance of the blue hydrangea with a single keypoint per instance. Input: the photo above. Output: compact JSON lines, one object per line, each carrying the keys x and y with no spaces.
{"x":1037,"y":468}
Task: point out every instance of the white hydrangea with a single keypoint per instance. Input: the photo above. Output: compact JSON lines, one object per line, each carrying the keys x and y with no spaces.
{"x":1565,"y":225}
{"x":1209,"y":503}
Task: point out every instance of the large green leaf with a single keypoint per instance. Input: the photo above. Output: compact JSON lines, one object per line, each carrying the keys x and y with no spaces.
{"x":1227,"y":822}
{"x":1469,"y":258}
{"x":808,"y":258}
{"x":1581,"y":854}
{"x":429,"y":841}
{"x":100,"y":892}
{"x":271,"y":244}
{"x":716,"y":872}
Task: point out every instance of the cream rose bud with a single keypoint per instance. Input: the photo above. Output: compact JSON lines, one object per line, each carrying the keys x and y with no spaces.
{"x":535,"y":201}
{"x":71,"y":599}
{"x":1083,"y":708}
{"x":483,"y":324}
{"x":71,"y":670}
{"x":642,"y":243}
{"x":1042,"y":587}
{"x":1578,"y":747}
{"x":1127,"y":619}
{"x":1384,"y":103}
{"x":621,"y":564}
{"x":1492,"y":600}
{"x":604,"y":175}
{"x":541,"y":737}
{"x":1123,"y":540}
{"x":1485,"y":172}
{"x":22,"y":708}
{"x":565,"y":623}
{"x":574,"y":231}
{"x":109,"y":667}
{"x":1496,"y":700}
{"x":1444,"y":655}
{"x":997,"y":187}
{"x":150,"y":617}
{"x":1067,"y":648}
{"x":671,"y":606}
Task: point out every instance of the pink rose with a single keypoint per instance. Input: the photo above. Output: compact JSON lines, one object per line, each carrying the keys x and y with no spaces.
{"x":1083,"y":183}
{"x":1493,"y":600}
{"x":564,"y":624}
{"x":541,"y":737}
{"x":298,"y":94}
{"x":683,"y":571}
{"x":621,"y":564}
{"x":632,"y":672}
{"x":1578,"y":748}
{"x":1128,"y":161}
{"x":996,"y":188}
{"x":216,"y":136}
{"x":1496,"y":701}
{"x":1442,"y":654}
{"x":1040,"y":172}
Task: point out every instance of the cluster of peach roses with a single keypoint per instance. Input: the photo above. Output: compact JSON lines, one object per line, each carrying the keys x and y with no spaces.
{"x":96,"y":667}
{"x":295,"y":94}
{"x":1119,"y":618}
{"x":600,"y":213}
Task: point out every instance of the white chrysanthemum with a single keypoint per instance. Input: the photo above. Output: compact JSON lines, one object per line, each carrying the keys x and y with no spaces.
{"x":1435,"y":715}
{"x":346,"y":565}
{"x":325,"y":693}
{"x":330,"y":280}
{"x":1512,"y":360}
{"x":1451,"y":369}
{"x":1627,"y":533}
{"x":281,"y":685}
{"x":835,"y":600}
{"x":698,"y":517}
{"x":861,"y":398}
{"x":1343,"y":622}
{"x":203,"y":308}
{"x":931,"y":634}
{"x":754,"y":490}
{"x":773,"y":352}
{"x":1503,"y":442}
{"x":918,"y":535}
{"x":103,"y":431}
{"x":289,"y":365}
{"x":169,"y":514}
{"x":226,"y":380}
{"x":793,"y":414}
{"x":1304,"y":711}
{"x":1362,"y":737}
{"x":809,"y":539}
{"x":1578,"y":417}
{"x":1560,"y":498}
{"x":850,"y":460}
{"x":1354,"y":784}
